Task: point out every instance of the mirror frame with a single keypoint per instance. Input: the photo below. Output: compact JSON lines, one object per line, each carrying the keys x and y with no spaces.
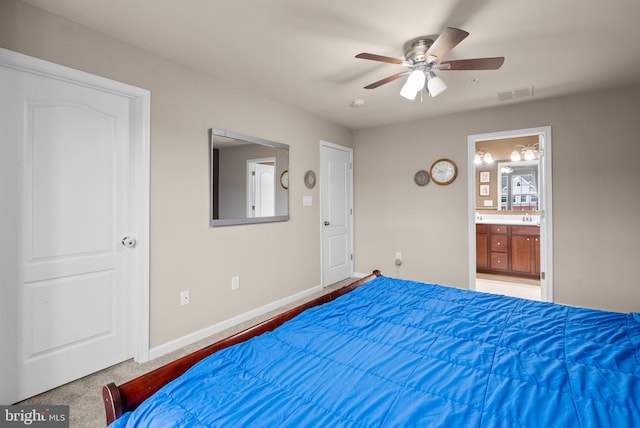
{"x":247,"y":220}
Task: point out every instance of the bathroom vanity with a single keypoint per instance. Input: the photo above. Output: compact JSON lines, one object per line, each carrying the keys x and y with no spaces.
{"x":508,"y":245}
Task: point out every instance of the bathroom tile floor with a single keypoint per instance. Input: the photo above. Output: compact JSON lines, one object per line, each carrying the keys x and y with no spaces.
{"x":509,"y":286}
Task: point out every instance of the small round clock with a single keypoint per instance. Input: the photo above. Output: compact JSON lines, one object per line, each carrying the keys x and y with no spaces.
{"x":443,"y":171}
{"x":284,"y":179}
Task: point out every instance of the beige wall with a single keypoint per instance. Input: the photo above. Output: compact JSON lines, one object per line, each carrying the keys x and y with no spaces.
{"x":596,"y":178}
{"x":596,"y":195}
{"x":273,"y":260}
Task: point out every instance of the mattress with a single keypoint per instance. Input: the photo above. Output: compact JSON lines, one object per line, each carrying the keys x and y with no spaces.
{"x":398,"y":353}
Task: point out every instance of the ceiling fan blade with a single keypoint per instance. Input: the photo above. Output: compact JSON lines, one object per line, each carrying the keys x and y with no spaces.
{"x":386,"y":80}
{"x":448,"y":40}
{"x":472,"y":64}
{"x":381,"y":58}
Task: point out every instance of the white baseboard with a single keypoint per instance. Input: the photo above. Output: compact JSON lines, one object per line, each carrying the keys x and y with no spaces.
{"x":183,"y":341}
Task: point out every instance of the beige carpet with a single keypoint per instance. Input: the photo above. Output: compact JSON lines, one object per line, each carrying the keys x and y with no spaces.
{"x":84,"y":396}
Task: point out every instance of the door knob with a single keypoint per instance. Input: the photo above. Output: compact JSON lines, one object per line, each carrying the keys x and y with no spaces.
{"x":128,"y":242}
{"x":326,"y":223}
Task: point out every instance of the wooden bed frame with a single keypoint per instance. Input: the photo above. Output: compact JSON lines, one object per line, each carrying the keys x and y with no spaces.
{"x":128,"y":396}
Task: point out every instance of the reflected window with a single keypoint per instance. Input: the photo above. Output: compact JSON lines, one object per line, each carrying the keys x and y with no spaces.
{"x":519,"y":188}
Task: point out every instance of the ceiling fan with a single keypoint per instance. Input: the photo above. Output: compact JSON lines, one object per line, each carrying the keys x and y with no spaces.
{"x":423,"y":55}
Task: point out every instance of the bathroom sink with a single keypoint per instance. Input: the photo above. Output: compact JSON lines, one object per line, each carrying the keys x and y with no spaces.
{"x":525,"y":219}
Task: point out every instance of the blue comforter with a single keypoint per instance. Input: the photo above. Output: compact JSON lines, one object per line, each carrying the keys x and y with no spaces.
{"x":397,"y":353}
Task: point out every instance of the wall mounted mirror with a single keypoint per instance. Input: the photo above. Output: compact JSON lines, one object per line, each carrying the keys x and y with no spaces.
{"x":504,"y":185}
{"x":518,"y":186}
{"x":244,"y":179}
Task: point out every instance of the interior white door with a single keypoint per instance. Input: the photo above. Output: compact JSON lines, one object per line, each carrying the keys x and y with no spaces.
{"x":261,"y":188}
{"x":66,"y":207}
{"x":336,"y":189}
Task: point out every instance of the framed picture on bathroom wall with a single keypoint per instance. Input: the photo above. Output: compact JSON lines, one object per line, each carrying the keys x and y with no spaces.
{"x":484,"y":190}
{"x":485,"y":176}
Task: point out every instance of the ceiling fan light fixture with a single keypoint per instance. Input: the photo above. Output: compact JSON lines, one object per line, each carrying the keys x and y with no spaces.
{"x":435,"y":85}
{"x":414,"y":84}
{"x":408,"y":92}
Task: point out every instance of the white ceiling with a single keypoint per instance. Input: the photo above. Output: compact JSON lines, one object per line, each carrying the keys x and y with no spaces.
{"x":301,"y":52}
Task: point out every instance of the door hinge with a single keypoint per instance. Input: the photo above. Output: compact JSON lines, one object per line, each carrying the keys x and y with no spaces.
{"x":351,"y":257}
{"x":542,"y":275}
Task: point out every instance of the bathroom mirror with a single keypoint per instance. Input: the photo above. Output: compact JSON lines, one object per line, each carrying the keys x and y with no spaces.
{"x":244,"y":179}
{"x":518,"y":186}
{"x":503,"y":184}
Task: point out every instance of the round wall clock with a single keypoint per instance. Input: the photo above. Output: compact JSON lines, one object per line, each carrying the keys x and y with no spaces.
{"x":443,"y":171}
{"x":284,"y":179}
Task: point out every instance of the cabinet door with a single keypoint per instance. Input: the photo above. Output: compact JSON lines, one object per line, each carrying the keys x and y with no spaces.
{"x":522,"y":254}
{"x":536,"y":255}
{"x":482,"y":253}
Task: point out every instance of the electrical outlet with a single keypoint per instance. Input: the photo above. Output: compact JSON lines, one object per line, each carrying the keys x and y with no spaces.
{"x":235,"y":282}
{"x":185,"y":299}
{"x":398,"y":255}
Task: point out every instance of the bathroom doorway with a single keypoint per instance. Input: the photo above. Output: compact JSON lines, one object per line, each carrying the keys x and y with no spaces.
{"x":510,"y":218}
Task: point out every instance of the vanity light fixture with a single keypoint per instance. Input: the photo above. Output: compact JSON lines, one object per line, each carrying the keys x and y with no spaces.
{"x":482,"y":155}
{"x":524,"y":152}
{"x":506,"y":170}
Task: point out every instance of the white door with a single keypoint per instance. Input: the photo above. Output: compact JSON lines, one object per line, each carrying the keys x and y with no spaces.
{"x":261,"y":189}
{"x":336,"y":189}
{"x":67,"y":278}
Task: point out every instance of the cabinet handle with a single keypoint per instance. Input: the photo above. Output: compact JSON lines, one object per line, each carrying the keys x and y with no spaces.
{"x":498,"y":244}
{"x":528,"y":239}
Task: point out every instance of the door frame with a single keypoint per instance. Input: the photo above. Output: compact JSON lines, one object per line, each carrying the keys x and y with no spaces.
{"x":546,"y":217}
{"x":327,"y":144}
{"x":139,"y":177}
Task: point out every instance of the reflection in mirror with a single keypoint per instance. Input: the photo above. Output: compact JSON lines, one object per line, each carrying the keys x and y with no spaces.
{"x":505,"y":183}
{"x":244,"y":186}
{"x":518,"y":186}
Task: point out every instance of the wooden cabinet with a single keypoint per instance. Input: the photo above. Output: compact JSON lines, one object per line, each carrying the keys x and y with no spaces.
{"x":525,"y":250}
{"x":499,"y":247}
{"x":508,"y":250}
{"x":482,"y":245}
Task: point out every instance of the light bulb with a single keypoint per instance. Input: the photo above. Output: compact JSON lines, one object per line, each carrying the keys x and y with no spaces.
{"x":515,"y":156}
{"x":408,"y":92}
{"x":488,"y":158}
{"x":435,"y":85}
{"x":416,"y":80}
{"x":529,"y":155}
{"x":413,"y":85}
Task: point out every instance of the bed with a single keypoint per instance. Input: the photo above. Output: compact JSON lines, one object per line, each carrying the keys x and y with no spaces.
{"x":399,"y":353}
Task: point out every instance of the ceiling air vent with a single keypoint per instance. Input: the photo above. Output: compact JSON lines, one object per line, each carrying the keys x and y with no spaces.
{"x":515,"y":94}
